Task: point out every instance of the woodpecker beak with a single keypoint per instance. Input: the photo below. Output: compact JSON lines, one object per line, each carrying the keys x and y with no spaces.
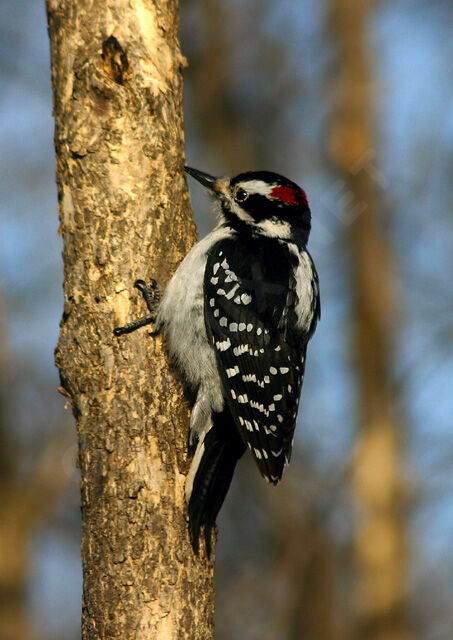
{"x":203,"y":178}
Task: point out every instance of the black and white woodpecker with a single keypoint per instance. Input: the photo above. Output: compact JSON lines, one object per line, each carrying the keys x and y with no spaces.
{"x":238,"y":314}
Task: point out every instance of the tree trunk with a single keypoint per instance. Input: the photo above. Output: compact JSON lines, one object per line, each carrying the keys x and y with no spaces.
{"x":125,"y":214}
{"x":380,"y":546}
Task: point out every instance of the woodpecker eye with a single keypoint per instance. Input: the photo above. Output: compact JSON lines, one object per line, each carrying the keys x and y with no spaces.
{"x":241,"y":195}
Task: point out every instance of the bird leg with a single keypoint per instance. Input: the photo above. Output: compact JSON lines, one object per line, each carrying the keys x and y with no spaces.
{"x":151,"y":295}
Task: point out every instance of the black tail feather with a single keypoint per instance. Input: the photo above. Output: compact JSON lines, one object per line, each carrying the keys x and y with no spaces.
{"x":223,"y":447}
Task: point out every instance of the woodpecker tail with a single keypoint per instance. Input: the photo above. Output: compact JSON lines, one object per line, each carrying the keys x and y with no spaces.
{"x":210,"y":476}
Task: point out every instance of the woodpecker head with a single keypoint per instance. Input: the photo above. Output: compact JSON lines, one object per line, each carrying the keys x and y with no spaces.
{"x":260,"y":202}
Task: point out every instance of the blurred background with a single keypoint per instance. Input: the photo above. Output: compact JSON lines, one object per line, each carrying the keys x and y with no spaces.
{"x":354,"y":101}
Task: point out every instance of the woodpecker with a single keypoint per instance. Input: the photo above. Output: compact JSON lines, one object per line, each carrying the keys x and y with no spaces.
{"x":237,"y":315}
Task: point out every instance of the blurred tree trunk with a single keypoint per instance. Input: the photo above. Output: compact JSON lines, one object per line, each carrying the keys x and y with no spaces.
{"x":25,"y":501}
{"x":12,"y":548}
{"x":308,"y":567}
{"x":380,"y":546}
{"x":220,"y":125}
{"x":125,"y":214}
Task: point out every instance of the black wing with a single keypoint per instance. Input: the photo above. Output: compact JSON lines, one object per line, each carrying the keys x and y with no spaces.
{"x":249,"y":313}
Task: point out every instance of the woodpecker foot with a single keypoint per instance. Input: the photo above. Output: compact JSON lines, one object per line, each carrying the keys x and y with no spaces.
{"x":151,"y":295}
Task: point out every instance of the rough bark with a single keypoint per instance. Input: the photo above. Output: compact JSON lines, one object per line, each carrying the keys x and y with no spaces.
{"x":380,"y":545}
{"x":125,"y":214}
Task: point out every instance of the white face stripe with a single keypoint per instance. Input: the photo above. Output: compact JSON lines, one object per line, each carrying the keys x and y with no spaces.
{"x":256,"y":186}
{"x":275,"y":228}
{"x":240,"y":213}
{"x":223,"y":186}
{"x":272,"y":228}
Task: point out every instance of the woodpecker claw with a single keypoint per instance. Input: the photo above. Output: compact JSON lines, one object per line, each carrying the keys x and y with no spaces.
{"x":151,"y":295}
{"x":140,"y":285}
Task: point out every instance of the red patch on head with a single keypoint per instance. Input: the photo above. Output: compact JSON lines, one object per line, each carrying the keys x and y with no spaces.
{"x":289,"y":195}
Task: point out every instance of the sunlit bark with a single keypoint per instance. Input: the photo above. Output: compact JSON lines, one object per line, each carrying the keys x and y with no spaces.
{"x":124,"y":214}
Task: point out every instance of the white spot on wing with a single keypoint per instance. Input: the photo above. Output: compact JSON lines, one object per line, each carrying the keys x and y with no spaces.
{"x":224,"y":345}
{"x":232,"y":291}
{"x":240,"y":349}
